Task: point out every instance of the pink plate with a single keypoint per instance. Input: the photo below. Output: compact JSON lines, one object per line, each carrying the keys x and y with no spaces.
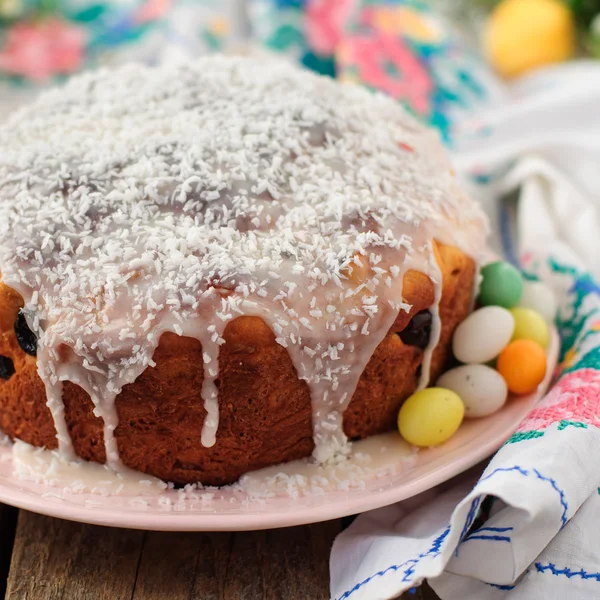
{"x":236,"y":509}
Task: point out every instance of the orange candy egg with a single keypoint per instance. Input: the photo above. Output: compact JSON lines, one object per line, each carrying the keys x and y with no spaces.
{"x":523,"y":365}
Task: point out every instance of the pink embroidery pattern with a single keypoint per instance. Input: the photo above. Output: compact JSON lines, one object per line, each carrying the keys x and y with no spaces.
{"x":574,"y":397}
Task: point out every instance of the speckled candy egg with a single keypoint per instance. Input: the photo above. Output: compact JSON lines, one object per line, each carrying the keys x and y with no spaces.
{"x":541,"y":298}
{"x":430,"y":417}
{"x":483,"y":335}
{"x":481,"y":388}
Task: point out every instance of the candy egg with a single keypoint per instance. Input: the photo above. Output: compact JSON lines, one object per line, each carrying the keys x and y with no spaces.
{"x":483,"y":334}
{"x":521,"y":35}
{"x":430,"y":417}
{"x":523,"y":365}
{"x":501,"y":285}
{"x":530,"y":325}
{"x":481,"y":388}
{"x":539,"y":297}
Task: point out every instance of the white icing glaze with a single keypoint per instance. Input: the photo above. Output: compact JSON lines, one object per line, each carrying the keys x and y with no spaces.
{"x":367,"y":459}
{"x":142,"y":201}
{"x":436,"y":324}
{"x":376,"y":456}
{"x":78,"y":476}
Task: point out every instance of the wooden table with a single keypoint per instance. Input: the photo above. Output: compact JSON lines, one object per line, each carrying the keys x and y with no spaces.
{"x":42,"y":558}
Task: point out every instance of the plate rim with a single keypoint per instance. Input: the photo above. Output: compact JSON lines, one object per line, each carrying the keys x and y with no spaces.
{"x":172,"y":520}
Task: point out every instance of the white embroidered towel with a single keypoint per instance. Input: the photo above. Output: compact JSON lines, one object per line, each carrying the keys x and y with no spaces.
{"x":541,"y":538}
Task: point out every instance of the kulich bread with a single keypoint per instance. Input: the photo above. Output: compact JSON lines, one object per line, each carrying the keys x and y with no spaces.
{"x":265,"y":410}
{"x":299,"y":294}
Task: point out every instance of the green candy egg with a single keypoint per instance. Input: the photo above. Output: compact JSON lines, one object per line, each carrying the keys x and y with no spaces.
{"x":501,"y":285}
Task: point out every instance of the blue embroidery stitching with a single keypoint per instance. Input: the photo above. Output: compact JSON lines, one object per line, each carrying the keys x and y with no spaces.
{"x":437,"y":543}
{"x":468,"y":521}
{"x":433,"y":551}
{"x":498,"y":529}
{"x":470,"y":516}
{"x":497,"y":538}
{"x":551,"y":481}
{"x":502,"y":587}
{"x":560,"y":493}
{"x":506,"y":587}
{"x":566,"y":571}
{"x":503,"y":469}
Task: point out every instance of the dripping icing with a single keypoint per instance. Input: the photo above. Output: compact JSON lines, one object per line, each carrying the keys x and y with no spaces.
{"x":220,"y":188}
{"x":435,"y":274}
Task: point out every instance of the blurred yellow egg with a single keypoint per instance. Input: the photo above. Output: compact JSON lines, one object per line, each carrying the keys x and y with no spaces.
{"x":430,"y":417}
{"x":523,"y":34}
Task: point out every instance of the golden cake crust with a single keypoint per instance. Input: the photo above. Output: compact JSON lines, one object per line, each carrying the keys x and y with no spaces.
{"x":264,"y":408}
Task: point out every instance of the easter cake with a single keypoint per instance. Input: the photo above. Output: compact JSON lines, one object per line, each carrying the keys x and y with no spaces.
{"x":224,"y":265}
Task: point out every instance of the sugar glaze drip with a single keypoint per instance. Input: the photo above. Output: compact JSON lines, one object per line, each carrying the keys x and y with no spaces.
{"x":146,"y":201}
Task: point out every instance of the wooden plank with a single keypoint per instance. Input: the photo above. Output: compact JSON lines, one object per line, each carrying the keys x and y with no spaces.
{"x":292,"y":563}
{"x":54,"y":559}
{"x":287,"y":563}
{"x":182,"y":565}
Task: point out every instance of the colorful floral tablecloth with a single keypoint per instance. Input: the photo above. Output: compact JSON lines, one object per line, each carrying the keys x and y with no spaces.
{"x":399,"y":47}
{"x":46,"y":40}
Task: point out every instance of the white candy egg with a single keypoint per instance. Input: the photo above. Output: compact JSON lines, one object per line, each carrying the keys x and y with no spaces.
{"x":481,"y":388}
{"x":483,"y":335}
{"x":539,"y":297}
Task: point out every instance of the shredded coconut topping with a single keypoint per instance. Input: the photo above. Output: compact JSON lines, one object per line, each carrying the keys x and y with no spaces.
{"x":139,"y":201}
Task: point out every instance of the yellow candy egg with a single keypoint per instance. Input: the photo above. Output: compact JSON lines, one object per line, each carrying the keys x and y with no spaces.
{"x":430,"y":417}
{"x":530,"y":325}
{"x":524,"y":34}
